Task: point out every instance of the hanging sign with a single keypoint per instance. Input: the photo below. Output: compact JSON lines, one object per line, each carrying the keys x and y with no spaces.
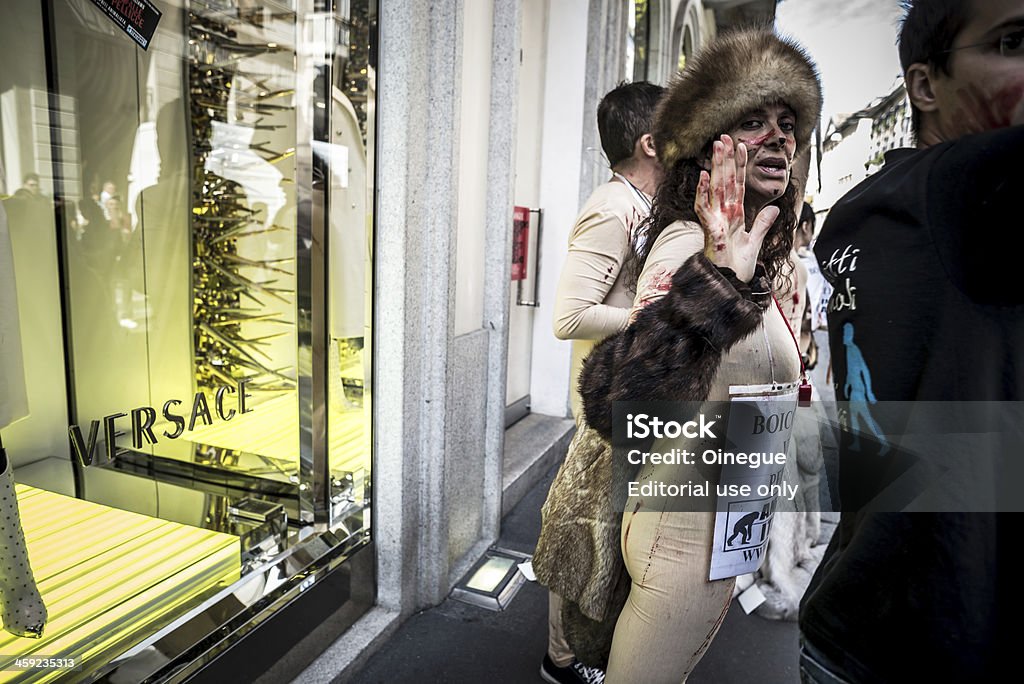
{"x":520,"y":241}
{"x":760,"y":421}
{"x":137,"y":18}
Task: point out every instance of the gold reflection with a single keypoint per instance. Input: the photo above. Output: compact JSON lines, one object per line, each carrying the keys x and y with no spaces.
{"x":230,"y":288}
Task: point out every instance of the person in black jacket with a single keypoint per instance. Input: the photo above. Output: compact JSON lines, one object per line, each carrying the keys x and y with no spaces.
{"x":917,"y":255}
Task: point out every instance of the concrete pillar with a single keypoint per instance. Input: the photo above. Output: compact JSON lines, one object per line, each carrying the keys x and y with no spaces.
{"x":501,"y":172}
{"x":439,"y":397}
{"x":414,"y":290}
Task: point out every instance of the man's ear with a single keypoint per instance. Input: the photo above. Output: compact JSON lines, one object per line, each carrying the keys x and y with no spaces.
{"x":919,"y":80}
{"x":646,"y":143}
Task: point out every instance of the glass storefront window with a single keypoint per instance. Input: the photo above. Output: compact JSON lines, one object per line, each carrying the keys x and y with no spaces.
{"x":685,"y":49}
{"x":638,"y":40}
{"x":190,"y":227}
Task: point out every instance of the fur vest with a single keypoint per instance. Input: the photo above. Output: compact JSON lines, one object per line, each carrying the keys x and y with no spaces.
{"x":670,"y":352}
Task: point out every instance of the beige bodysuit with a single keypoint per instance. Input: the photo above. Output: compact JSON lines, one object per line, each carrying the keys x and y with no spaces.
{"x":673,"y":610}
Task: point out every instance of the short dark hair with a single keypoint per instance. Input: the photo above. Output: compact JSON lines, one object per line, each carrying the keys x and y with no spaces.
{"x":624,"y":115}
{"x":807,"y":216}
{"x":927,"y":32}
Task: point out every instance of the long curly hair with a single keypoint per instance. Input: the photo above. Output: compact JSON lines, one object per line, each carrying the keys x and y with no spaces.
{"x":673,"y":202}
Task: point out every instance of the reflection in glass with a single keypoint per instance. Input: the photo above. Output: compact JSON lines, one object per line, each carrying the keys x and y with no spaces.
{"x":157,"y":191}
{"x":181,"y":269}
{"x":242,"y":119}
{"x":27,"y":191}
{"x":349,"y":256}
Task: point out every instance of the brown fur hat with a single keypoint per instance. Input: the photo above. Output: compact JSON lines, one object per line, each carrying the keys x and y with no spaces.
{"x":737,"y":72}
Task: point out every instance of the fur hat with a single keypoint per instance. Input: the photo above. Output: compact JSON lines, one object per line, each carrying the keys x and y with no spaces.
{"x":736,"y":73}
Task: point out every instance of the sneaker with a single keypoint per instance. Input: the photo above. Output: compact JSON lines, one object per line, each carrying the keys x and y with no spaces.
{"x":576,"y":673}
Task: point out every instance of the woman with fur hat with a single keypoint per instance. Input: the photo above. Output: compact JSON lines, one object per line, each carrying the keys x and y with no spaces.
{"x":719,"y":235}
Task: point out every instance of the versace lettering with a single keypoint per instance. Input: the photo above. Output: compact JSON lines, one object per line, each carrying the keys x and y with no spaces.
{"x":143,"y":418}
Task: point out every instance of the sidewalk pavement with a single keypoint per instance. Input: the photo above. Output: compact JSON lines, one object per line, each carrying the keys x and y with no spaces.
{"x":457,"y":643}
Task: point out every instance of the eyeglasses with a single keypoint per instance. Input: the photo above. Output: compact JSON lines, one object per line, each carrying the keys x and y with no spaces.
{"x":1010,"y":43}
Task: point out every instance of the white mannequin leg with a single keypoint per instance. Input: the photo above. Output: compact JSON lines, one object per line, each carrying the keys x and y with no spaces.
{"x":24,"y":613}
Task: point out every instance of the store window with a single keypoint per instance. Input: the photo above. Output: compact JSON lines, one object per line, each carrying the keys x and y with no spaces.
{"x":685,"y":49}
{"x":638,"y":41}
{"x":189,"y":228}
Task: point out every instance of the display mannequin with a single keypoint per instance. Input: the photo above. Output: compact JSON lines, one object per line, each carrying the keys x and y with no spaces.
{"x":349,"y":247}
{"x":23,"y":611}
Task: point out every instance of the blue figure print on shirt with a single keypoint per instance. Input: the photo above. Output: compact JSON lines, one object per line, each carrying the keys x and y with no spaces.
{"x":859,"y":393}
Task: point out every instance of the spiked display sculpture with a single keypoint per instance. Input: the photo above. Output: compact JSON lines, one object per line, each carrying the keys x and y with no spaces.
{"x":226,"y":295}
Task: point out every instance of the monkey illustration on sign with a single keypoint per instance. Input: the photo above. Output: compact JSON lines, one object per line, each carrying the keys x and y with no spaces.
{"x":744,"y":526}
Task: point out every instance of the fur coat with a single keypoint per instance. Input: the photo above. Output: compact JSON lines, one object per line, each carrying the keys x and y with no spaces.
{"x":670,"y":352}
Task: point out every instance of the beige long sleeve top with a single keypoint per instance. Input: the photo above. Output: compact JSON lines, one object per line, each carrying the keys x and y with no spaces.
{"x":766,"y":356}
{"x":593,"y":300}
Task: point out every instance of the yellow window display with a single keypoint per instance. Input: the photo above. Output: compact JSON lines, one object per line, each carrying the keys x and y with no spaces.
{"x":106,"y":576}
{"x":185,"y":324}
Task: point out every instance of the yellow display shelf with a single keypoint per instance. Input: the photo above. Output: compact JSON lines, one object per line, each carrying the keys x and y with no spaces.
{"x":270,"y":430}
{"x":350,"y":450}
{"x":109,"y":578}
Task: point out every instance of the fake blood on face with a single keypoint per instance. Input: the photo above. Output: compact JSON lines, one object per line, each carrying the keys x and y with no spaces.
{"x":977,"y":111}
{"x":757,"y":142}
{"x":1007,"y":101}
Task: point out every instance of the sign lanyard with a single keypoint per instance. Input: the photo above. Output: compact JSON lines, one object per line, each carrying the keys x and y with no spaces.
{"x":644,"y":199}
{"x":805,"y":385}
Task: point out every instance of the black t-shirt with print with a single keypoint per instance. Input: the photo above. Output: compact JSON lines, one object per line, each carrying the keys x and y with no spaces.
{"x":918,"y":255}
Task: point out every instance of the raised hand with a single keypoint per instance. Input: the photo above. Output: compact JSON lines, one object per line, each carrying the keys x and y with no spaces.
{"x":720,"y":207}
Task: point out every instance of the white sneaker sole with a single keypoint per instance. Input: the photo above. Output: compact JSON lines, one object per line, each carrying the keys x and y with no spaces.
{"x":546,"y":677}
